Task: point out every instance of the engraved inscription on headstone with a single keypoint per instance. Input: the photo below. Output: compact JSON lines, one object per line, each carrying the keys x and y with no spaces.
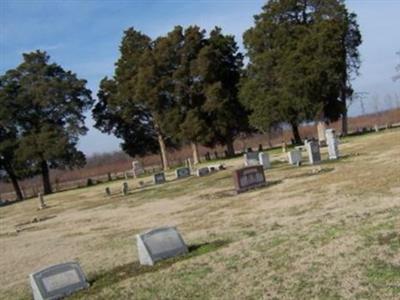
{"x":159,"y":178}
{"x":294,"y":157}
{"x":248,"y":177}
{"x":263,"y":158}
{"x":202,"y":171}
{"x":57,"y":281}
{"x":332,"y":142}
{"x":314,"y":154}
{"x":158,"y":244}
{"x":182,"y":172}
{"x":251,"y":159}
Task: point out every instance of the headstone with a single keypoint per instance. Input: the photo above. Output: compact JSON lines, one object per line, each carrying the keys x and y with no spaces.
{"x":248,"y":178}
{"x":42,"y":205}
{"x":216,"y":167}
{"x":294,"y":157}
{"x":321,"y":128}
{"x":137,"y":168}
{"x":251,"y":159}
{"x":189,"y":164}
{"x":159,"y":178}
{"x":108,"y":191}
{"x":376,"y":128}
{"x":263,"y":159}
{"x":125,"y":188}
{"x":202,"y":171}
{"x":332,"y":142}
{"x":314,"y":154}
{"x":109,"y":178}
{"x":182,"y":172}
{"x":159,"y":244}
{"x":57,"y":281}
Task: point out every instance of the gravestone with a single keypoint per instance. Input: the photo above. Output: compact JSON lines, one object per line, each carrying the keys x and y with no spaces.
{"x":42,"y":205}
{"x":248,"y":178}
{"x":216,"y":167}
{"x":284,"y":146}
{"x":202,"y":171}
{"x":108,"y":191}
{"x":137,"y":168}
{"x":314,"y":155}
{"x":158,"y":244}
{"x":125,"y":188}
{"x":58,"y":281}
{"x":159,"y":178}
{"x":376,"y":128}
{"x":333,"y":151}
{"x":321,"y":129}
{"x":251,"y":159}
{"x":263,"y":159}
{"x":294,"y":157}
{"x":182,"y":172}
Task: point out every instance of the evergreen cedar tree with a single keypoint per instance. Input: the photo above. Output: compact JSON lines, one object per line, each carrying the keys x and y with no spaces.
{"x":302,"y":54}
{"x":41,"y":118}
{"x":180,"y":88}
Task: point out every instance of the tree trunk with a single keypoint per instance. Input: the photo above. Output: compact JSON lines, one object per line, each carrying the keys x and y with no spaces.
{"x":296,"y":134}
{"x":196,"y":158}
{"x":46,"y":177}
{"x":163,"y":152}
{"x":344,"y":120}
{"x":230,"y":148}
{"x":14,"y":181}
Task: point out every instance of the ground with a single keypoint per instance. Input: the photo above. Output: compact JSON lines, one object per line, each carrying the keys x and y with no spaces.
{"x":314,"y":232}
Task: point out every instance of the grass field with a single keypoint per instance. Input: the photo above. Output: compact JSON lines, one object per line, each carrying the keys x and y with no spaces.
{"x":331,"y":234}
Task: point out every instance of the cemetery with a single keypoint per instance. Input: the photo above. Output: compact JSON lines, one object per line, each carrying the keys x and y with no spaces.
{"x":249,"y":227}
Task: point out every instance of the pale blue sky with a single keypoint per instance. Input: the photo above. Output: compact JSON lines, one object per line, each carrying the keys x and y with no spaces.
{"x":84,"y":36}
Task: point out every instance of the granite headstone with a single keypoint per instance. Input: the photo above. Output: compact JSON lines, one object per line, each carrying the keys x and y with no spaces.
{"x":248,"y":178}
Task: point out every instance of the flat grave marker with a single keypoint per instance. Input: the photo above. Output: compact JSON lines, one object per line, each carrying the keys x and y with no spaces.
{"x":202,"y":171}
{"x":158,"y":244}
{"x":159,"y":178}
{"x":182,"y":172}
{"x":57,"y":281}
{"x":248,"y":178}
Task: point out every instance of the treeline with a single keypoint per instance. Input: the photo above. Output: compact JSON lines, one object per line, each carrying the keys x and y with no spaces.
{"x":186,"y":87}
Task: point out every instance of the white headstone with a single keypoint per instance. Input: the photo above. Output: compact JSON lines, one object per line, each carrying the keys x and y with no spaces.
{"x":158,"y":244}
{"x":376,"y":128}
{"x":182,"y":172}
{"x":251,"y":159}
{"x":137,"y":168}
{"x":294,"y":157}
{"x":159,"y":178}
{"x":202,"y":171}
{"x":58,"y":281}
{"x":263,"y":158}
{"x":314,"y":155}
{"x":42,"y":205}
{"x":332,"y":142}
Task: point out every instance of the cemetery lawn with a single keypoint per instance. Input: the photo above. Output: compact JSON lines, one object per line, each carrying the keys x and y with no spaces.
{"x":315,"y":232}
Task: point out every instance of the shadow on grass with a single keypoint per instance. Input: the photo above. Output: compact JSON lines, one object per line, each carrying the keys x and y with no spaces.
{"x":134,"y":269}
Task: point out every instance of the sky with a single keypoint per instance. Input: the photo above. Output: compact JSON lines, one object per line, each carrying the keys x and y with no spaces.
{"x":84,"y":37}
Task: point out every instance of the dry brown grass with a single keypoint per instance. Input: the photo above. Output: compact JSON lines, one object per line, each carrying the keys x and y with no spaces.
{"x":334,"y":234}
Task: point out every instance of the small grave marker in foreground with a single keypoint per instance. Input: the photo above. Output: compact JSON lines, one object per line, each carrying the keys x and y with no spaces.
{"x":57,"y":281}
{"x":182,"y":172}
{"x":248,"y":178}
{"x":203,"y":171}
{"x":125,"y":188}
{"x":158,"y":244}
{"x":159,"y":178}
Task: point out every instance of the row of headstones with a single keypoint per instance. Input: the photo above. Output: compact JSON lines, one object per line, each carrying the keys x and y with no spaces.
{"x":61,"y":280}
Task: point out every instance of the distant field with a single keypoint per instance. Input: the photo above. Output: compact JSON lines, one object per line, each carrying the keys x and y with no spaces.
{"x":332,"y":234}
